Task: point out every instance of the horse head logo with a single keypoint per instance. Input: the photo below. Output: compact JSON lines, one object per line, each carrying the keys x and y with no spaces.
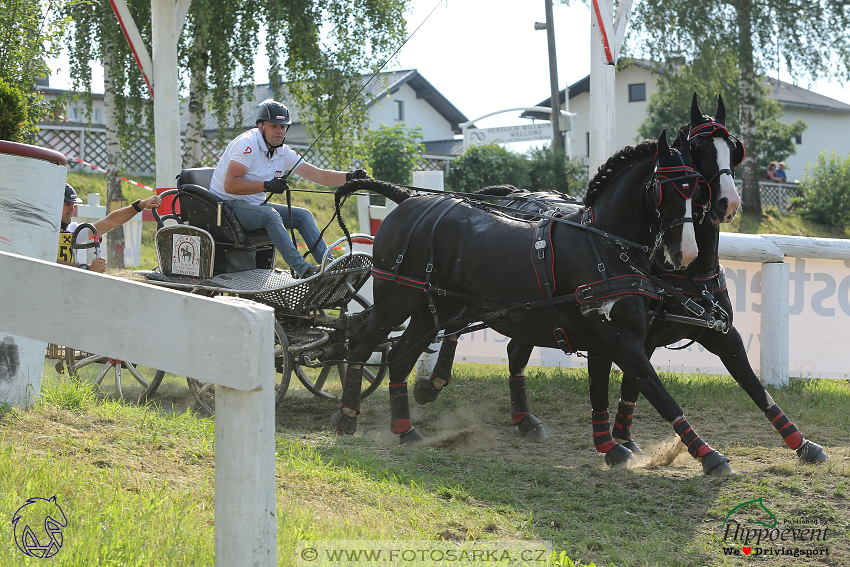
{"x":38,"y":527}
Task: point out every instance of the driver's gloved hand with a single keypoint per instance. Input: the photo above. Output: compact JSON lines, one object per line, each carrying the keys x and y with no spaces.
{"x":275,"y":186}
{"x":356,"y":174}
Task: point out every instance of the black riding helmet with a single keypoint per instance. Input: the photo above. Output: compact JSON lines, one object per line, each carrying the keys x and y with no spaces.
{"x":276,"y":113}
{"x":71,"y":195}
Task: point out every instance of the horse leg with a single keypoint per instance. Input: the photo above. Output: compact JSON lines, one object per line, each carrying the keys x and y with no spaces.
{"x":419,"y":333}
{"x":730,"y":349}
{"x":622,"y":431}
{"x":374,"y":329}
{"x":599,"y":372}
{"x":530,"y":426}
{"x":631,"y":357}
{"x":427,"y":389}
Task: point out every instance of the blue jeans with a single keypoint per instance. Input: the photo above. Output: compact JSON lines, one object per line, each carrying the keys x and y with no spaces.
{"x":275,"y":219}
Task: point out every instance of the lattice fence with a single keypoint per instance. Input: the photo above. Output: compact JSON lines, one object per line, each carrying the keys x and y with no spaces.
{"x":779,"y":195}
{"x":89,"y":145}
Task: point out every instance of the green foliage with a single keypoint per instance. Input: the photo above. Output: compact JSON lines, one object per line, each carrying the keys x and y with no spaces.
{"x":713,"y":72}
{"x":393,"y":152}
{"x":548,"y":170}
{"x":826,"y":191}
{"x":482,"y":165}
{"x":13,"y":112}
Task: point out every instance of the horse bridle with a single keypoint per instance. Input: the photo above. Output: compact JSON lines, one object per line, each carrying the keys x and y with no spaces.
{"x":676,"y":175}
{"x":707,"y":130}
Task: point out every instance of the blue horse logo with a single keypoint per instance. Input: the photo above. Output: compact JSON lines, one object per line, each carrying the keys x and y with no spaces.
{"x":38,"y":527}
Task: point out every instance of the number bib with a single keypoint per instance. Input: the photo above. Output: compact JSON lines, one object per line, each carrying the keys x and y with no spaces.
{"x":66,"y":250}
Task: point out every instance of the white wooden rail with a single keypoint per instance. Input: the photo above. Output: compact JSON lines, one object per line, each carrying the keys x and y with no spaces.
{"x":771,"y":250}
{"x":226,"y":341}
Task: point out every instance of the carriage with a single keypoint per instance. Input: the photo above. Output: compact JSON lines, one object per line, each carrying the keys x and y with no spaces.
{"x":202,"y":249}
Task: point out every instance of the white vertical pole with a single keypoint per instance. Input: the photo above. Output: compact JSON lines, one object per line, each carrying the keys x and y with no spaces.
{"x":773,"y":365}
{"x":166,"y":104}
{"x":602,"y":100}
{"x":245,"y":505}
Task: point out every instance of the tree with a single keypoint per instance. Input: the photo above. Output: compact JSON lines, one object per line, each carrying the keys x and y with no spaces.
{"x":550,"y":170}
{"x":715,"y":72}
{"x":393,"y":152}
{"x":807,"y":34}
{"x":28,"y":35}
{"x":482,"y":165}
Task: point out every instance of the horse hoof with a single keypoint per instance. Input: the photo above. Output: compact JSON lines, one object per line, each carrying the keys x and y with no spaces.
{"x":531,"y":428}
{"x":810,"y":452}
{"x":618,"y":456}
{"x":716,"y":464}
{"x":630,"y":445}
{"x":343,"y":424}
{"x":410,"y":437}
{"x":424,"y":392}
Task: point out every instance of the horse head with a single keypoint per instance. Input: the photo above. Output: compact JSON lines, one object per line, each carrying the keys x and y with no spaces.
{"x":670,"y":192}
{"x":715,"y":155}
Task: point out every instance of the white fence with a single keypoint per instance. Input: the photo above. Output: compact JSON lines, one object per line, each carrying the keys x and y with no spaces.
{"x":791,"y":300}
{"x":227,"y":341}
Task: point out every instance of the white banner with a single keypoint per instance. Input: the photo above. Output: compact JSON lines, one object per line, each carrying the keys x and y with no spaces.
{"x":819,"y":299}
{"x":504,"y":134}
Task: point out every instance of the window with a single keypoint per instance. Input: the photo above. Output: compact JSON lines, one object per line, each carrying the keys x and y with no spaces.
{"x":398,"y":110}
{"x":587,"y":134}
{"x":798,"y":139}
{"x":637,"y":92}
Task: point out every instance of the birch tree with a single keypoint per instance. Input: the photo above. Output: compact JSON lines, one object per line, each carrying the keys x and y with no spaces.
{"x":810,"y":38}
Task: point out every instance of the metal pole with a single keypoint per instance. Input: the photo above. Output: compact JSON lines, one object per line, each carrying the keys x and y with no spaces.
{"x":557,"y":141}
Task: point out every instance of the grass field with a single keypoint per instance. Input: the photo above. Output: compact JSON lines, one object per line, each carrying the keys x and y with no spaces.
{"x":136,"y":484}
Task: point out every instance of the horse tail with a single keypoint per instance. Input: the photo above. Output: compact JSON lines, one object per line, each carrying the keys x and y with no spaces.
{"x":391,"y":191}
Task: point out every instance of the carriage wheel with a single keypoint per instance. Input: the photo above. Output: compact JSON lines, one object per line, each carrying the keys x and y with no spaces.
{"x":373,"y":379}
{"x":204,"y":392}
{"x":96,"y":367}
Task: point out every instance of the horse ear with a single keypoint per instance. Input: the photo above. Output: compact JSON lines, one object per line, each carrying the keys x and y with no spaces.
{"x":720,"y":115}
{"x":663,"y":147}
{"x":683,"y":145}
{"x":696,"y":113}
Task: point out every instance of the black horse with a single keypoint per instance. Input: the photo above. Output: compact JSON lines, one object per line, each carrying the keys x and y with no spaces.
{"x":703,"y":281}
{"x":571,"y":280}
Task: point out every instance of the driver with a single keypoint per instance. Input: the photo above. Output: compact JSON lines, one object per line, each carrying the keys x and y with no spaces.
{"x":67,"y":254}
{"x":255,"y":162}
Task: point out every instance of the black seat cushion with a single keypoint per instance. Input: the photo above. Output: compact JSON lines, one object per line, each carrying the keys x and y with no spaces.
{"x":199,"y":207}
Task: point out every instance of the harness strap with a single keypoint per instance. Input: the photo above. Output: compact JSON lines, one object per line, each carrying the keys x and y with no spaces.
{"x":586,"y":219}
{"x":400,"y":258}
{"x":429,"y":268}
{"x":542,"y":264}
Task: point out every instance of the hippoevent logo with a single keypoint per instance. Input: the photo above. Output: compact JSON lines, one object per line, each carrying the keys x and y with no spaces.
{"x":752,"y":529}
{"x":38,"y":527}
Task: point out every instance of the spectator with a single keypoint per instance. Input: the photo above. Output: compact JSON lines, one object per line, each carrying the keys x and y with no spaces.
{"x":780,"y":172}
{"x":67,"y":254}
{"x":771,"y":172}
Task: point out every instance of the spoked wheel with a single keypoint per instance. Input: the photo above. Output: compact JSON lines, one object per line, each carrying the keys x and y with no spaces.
{"x":372,"y":377}
{"x":204,"y":392}
{"x":144,"y":378}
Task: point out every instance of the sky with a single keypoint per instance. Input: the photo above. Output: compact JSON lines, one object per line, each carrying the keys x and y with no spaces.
{"x":485,"y":55}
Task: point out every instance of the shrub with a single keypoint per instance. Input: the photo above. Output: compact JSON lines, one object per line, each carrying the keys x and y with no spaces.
{"x":394,"y":152}
{"x":482,"y":165}
{"x":13,"y":112}
{"x":548,"y":170}
{"x":825,"y":190}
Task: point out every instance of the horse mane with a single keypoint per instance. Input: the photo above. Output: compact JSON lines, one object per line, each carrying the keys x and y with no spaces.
{"x":610,"y":168}
{"x":499,"y":190}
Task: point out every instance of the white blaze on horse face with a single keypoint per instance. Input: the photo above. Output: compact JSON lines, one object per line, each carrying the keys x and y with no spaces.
{"x":727,"y":184}
{"x":689,"y":242}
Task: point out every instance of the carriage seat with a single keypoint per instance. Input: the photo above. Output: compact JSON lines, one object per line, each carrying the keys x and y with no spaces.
{"x":236,"y":248}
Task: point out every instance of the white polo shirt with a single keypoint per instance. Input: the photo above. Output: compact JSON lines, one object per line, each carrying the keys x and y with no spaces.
{"x":250,"y":150}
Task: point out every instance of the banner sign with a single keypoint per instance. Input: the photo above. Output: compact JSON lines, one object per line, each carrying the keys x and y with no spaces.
{"x":504,"y":134}
{"x":819,"y":306}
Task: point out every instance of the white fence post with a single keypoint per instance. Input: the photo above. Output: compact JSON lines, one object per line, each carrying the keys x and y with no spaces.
{"x":773,"y":362}
{"x":227,"y":341}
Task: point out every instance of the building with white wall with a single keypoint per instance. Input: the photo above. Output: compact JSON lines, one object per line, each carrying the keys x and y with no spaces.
{"x":828,"y":120}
